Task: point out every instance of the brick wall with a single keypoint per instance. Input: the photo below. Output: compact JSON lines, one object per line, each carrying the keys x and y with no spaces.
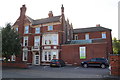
{"x":115,"y":64}
{"x":70,"y":53}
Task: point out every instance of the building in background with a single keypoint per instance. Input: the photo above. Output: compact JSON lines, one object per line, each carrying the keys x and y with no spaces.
{"x":91,"y":42}
{"x":54,"y":37}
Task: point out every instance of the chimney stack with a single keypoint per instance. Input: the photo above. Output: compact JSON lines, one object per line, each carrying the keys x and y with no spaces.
{"x":22,"y":10}
{"x":97,"y":25}
{"x":62,"y":10}
{"x":50,"y":14}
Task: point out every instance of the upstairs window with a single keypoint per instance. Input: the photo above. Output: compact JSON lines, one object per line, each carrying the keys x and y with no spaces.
{"x":76,"y":37}
{"x":26,"y":29}
{"x":50,"y":39}
{"x":50,"y":28}
{"x":16,"y":29}
{"x":37,"y":30}
{"x":25,"y":42}
{"x":87,"y":36}
{"x":37,"y":41}
{"x":104,"y":35}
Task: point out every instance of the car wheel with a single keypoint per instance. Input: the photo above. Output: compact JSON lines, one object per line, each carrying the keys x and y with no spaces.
{"x":103,"y":66}
{"x":85,"y":65}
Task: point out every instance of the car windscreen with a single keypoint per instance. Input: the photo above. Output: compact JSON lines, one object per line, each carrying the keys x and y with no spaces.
{"x":55,"y":60}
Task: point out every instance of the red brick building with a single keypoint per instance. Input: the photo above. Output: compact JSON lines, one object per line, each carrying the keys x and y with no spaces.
{"x":54,"y":37}
{"x":92,"y":42}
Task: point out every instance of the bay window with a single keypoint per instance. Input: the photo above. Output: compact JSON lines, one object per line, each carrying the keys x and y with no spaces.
{"x":48,"y":55}
{"x":50,"y":39}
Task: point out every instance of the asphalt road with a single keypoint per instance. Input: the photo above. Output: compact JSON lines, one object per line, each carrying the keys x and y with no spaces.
{"x":55,"y":72}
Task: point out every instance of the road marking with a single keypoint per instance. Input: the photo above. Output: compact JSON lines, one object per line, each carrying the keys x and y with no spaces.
{"x":45,"y":66}
{"x":76,"y":68}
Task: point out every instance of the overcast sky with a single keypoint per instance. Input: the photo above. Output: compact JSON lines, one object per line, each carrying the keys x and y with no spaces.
{"x":81,"y":13}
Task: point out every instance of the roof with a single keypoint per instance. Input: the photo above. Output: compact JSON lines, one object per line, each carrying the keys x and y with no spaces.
{"x":90,"y":29}
{"x":44,"y":20}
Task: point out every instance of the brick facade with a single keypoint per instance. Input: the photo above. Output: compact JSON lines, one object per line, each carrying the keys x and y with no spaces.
{"x":54,"y":43}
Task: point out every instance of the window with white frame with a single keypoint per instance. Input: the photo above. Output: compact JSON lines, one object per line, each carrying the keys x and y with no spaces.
{"x":50,"y":28}
{"x":37,"y":30}
{"x":87,"y":36}
{"x":82,"y":51}
{"x":25,"y":55}
{"x":16,"y":29}
{"x":50,"y":39}
{"x":26,"y":30}
{"x":76,"y":37}
{"x":37,"y":41}
{"x":25,"y":42}
{"x":103,"y":34}
{"x":49,"y":55}
{"x":13,"y":58}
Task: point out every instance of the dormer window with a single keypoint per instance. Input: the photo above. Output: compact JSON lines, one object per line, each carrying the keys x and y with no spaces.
{"x":50,"y":28}
{"x":37,"y":30}
{"x":26,"y":29}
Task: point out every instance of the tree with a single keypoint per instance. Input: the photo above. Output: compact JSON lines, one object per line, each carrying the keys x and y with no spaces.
{"x":10,"y":41}
{"x":116,"y":46}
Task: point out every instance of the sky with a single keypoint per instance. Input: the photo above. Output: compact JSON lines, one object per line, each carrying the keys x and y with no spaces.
{"x":81,"y":13}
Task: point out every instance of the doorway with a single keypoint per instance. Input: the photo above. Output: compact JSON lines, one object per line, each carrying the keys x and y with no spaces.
{"x":36,"y":59}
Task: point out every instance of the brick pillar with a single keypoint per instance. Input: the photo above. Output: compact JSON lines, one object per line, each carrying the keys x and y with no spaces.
{"x":115,"y":64}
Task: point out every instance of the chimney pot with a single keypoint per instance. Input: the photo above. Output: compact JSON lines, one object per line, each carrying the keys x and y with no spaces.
{"x":50,"y":14}
{"x":97,"y":25}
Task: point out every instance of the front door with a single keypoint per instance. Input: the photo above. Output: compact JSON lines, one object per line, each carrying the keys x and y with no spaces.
{"x":36,"y":60}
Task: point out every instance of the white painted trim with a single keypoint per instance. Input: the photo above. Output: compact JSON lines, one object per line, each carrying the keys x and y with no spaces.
{"x":33,"y":60}
{"x":51,"y":51}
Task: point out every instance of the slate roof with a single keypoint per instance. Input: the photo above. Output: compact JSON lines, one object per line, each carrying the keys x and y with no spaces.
{"x":44,"y":20}
{"x":90,"y":29}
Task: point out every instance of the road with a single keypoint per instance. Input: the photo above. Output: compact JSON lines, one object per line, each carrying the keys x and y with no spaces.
{"x":55,"y":72}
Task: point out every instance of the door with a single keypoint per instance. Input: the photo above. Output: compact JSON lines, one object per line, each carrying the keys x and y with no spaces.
{"x":92,"y":62}
{"x":37,"y":60}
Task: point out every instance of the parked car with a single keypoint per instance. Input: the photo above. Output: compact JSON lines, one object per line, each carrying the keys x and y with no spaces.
{"x":101,"y":62}
{"x":57,"y":62}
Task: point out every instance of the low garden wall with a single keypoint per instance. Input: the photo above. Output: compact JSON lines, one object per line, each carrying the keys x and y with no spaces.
{"x":15,"y":64}
{"x":115,"y":64}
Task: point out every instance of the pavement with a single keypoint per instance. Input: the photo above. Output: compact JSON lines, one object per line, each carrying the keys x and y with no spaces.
{"x":57,"y":72}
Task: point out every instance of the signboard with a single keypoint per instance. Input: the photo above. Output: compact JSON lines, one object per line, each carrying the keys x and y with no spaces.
{"x":82,"y":51}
